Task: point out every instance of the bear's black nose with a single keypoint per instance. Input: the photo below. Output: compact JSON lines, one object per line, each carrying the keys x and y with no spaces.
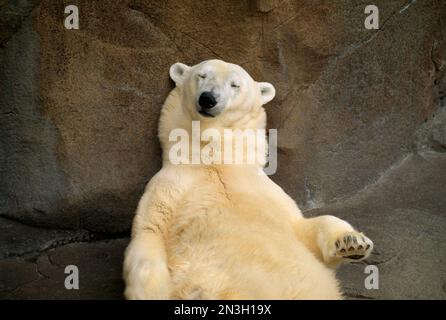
{"x":207,"y":100}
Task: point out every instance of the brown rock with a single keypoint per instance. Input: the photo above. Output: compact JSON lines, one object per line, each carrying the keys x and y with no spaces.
{"x":87,"y":101}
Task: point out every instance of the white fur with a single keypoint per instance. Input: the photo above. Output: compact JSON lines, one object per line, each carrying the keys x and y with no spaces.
{"x":224,"y":231}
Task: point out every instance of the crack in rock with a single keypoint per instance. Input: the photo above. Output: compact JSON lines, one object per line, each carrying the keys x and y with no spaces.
{"x":407,"y":6}
{"x":350,"y":49}
{"x":357,"y":296}
{"x":47,"y":239}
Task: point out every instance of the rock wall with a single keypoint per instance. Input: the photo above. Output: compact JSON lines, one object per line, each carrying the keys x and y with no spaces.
{"x":360,"y":115}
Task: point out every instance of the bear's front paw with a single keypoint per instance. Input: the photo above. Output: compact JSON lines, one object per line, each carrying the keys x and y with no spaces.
{"x":146,"y":280}
{"x":353,"y":246}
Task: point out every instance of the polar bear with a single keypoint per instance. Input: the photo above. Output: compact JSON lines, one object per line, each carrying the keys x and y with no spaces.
{"x":224,"y":231}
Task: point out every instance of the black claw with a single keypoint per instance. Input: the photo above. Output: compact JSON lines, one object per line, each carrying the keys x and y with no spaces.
{"x":355,"y":257}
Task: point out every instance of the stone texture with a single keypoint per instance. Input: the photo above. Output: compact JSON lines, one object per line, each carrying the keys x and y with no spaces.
{"x":404,"y":213}
{"x":99,"y":265}
{"x":360,"y":114}
{"x":12,"y":15}
{"x":19,"y":240}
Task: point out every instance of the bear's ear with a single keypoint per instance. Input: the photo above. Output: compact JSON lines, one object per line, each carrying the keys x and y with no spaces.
{"x":267,"y":92}
{"x":177,"y":72}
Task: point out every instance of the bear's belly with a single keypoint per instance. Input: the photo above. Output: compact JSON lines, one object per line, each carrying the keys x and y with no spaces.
{"x":224,"y":248}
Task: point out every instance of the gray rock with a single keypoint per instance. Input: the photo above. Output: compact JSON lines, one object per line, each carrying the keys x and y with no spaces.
{"x":14,"y":274}
{"x":99,"y":265}
{"x":19,"y":240}
{"x":404,"y":213}
{"x":432,"y":134}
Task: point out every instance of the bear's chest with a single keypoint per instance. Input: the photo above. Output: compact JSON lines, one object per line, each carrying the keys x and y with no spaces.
{"x":218,"y":203}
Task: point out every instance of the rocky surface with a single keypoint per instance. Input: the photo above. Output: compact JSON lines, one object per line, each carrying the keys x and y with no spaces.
{"x":404,"y":213}
{"x":360,"y":114}
{"x":43,"y":277}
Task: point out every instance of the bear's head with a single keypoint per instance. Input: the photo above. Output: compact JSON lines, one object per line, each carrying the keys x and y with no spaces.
{"x":218,"y":92}
{"x":212,"y":97}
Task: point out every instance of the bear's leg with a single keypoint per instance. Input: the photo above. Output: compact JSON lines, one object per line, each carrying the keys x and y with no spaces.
{"x":333,"y":240}
{"x":146,"y":273}
{"x":145,"y":268}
